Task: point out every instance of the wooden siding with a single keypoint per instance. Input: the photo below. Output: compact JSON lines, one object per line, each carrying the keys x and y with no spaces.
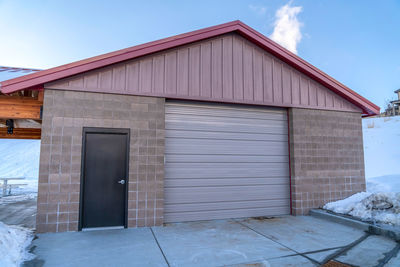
{"x":227,"y":69}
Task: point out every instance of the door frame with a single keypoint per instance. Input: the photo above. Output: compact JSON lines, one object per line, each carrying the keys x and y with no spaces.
{"x":99,"y":130}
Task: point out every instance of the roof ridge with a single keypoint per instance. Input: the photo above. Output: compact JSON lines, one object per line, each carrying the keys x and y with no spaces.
{"x":39,"y":78}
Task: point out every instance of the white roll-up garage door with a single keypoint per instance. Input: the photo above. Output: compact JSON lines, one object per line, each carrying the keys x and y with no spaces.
{"x":225,"y":161}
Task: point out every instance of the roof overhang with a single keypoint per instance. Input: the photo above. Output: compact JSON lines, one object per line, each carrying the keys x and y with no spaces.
{"x":38,"y":79}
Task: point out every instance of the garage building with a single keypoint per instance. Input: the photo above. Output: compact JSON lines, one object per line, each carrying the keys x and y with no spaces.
{"x":217,"y":123}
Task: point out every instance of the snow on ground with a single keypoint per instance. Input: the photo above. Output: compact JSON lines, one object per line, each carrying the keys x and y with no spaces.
{"x":17,"y":198}
{"x":13,"y":243}
{"x":20,"y":158}
{"x":381,"y":202}
{"x":372,"y":207}
{"x":381,"y":146}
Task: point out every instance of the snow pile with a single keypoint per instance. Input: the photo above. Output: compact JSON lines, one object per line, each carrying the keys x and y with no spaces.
{"x":14,"y":241}
{"x":372,"y":207}
{"x":19,"y":158}
{"x":381,"y":202}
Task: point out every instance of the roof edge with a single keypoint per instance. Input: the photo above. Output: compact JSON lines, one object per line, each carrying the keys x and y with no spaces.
{"x":52,"y":74}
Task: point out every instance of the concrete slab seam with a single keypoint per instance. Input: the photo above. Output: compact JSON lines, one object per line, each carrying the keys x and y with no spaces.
{"x":345,"y":249}
{"x":158,"y":244}
{"x":389,"y":255}
{"x":297,"y":253}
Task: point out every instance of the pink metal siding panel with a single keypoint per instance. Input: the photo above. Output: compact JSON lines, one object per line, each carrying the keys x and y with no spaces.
{"x":258,"y":75}
{"x":304,"y":91}
{"x":216,"y":69}
{"x":268,"y":86}
{"x":194,"y":71}
{"x":321,"y":96}
{"x":248,"y":88}
{"x":183,"y":72}
{"x":170,"y":72}
{"x":287,"y":84}
{"x":205,"y":70}
{"x":105,"y":79}
{"x":237,"y":68}
{"x":90,"y":80}
{"x":158,"y":74}
{"x":118,"y":78}
{"x":312,"y":90}
{"x":277,"y":80}
{"x":227,"y":68}
{"x":145,"y":73}
{"x":132,"y":83}
{"x":295,"y":87}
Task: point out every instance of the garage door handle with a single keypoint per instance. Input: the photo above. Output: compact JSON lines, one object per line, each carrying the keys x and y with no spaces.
{"x":121,"y":182}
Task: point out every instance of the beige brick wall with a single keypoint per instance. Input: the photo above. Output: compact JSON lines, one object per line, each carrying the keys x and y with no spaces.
{"x":327,"y":157}
{"x":65,"y":114}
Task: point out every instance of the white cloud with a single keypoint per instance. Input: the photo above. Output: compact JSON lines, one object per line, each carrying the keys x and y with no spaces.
{"x":287,"y":27}
{"x":259,"y":10}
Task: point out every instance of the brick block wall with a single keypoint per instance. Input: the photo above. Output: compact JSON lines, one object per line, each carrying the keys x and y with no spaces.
{"x":65,"y":114}
{"x":327,"y":157}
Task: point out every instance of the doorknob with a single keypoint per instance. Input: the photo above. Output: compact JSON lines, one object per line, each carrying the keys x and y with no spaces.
{"x":121,"y":181}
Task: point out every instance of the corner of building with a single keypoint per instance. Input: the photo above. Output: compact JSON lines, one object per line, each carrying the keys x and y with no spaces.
{"x":326,"y":157}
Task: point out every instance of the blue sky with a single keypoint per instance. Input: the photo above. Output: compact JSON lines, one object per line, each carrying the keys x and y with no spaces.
{"x":356,"y":42}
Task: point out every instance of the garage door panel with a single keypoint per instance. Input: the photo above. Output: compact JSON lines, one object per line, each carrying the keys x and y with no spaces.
{"x":223,"y":214}
{"x":224,"y":161}
{"x":190,"y":158}
{"x":224,"y":120}
{"x":188,"y":142}
{"x":191,"y":134}
{"x":231,"y":193}
{"x":171,"y":208}
{"x":218,"y":181}
{"x":280,"y":149}
{"x":210,"y":173}
{"x":230,"y":111}
{"x":182,"y":125}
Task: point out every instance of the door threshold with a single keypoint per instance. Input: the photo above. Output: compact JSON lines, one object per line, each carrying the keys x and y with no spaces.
{"x":102,"y":228}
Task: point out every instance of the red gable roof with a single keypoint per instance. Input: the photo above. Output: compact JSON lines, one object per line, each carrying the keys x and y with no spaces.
{"x":36,"y":80}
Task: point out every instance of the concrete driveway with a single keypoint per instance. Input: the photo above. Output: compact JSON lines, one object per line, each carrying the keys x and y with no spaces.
{"x":283,"y":241}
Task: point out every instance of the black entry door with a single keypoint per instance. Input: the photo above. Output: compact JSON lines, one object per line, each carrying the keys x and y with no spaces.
{"x":104,"y":180}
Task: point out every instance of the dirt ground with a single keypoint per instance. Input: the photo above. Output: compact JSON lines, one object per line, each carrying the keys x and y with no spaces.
{"x":19,"y":213}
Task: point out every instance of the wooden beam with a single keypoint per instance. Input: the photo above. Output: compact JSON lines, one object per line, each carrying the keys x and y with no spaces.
{"x":21,"y":133}
{"x":40,"y":95}
{"x":10,"y":100}
{"x":15,"y":107}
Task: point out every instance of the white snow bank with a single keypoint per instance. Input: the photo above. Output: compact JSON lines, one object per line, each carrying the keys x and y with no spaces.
{"x":374,"y":207}
{"x":381,"y":146}
{"x":19,"y":158}
{"x":382,"y":170}
{"x":14,"y":241}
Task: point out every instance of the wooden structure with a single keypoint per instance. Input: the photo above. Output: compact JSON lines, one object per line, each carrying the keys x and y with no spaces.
{"x":20,"y":114}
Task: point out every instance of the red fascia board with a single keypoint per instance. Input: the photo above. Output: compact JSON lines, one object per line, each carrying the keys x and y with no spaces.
{"x":77,"y":67}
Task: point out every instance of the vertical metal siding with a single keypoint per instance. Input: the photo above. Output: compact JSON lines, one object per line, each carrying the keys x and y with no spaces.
{"x":225,"y":161}
{"x":228,"y":69}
